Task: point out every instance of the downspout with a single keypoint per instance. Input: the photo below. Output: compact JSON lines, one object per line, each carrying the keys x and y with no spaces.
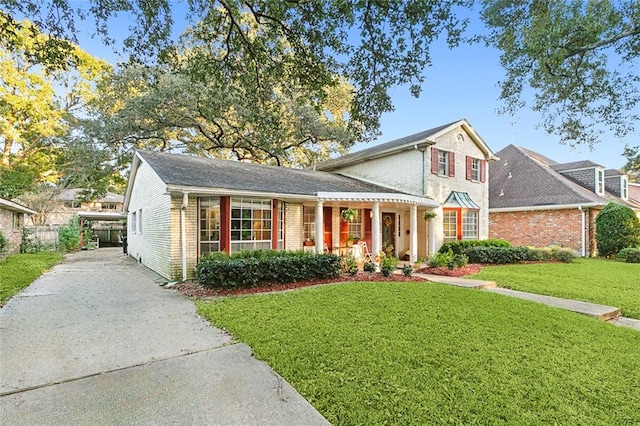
{"x":582,"y":237}
{"x":183,"y":233}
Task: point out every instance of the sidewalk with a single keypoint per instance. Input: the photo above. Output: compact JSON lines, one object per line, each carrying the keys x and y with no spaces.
{"x":97,"y":341}
{"x":601,"y":312}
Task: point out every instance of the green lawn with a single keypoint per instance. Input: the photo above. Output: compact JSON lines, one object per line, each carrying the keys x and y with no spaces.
{"x":606,"y":282}
{"x":427,"y":353}
{"x":20,"y":270}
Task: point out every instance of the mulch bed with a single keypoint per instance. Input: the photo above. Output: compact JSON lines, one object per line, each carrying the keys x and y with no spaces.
{"x":457,"y":272}
{"x":195,"y":289}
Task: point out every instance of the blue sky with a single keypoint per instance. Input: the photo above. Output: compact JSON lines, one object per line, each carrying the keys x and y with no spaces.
{"x":461,"y":83}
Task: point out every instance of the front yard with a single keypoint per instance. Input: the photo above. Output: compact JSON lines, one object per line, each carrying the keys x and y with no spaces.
{"x":20,"y":270}
{"x":606,"y":282}
{"x":426,"y":353}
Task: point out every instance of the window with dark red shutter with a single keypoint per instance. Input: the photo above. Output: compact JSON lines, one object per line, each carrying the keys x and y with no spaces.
{"x":469,"y":162}
{"x":434,"y":160}
{"x":452,"y":164}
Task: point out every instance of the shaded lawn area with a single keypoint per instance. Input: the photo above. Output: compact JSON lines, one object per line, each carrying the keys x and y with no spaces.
{"x":606,"y":282}
{"x":20,"y":270}
{"x":427,"y":353}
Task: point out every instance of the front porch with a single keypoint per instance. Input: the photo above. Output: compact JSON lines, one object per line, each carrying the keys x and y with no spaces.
{"x":390,"y":223}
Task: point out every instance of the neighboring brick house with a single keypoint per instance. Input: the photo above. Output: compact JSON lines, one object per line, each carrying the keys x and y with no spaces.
{"x":180,"y":207}
{"x":634,"y":192}
{"x":12,"y":216}
{"x":536,"y":201}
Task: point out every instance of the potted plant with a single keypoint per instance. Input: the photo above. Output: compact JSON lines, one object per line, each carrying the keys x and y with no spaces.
{"x":309,"y":242}
{"x":349,"y":215}
{"x":352,"y":239}
{"x":429,"y":214}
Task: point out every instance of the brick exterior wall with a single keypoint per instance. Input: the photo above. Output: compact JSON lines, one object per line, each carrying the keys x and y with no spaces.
{"x":153,"y":246}
{"x":12,"y":233}
{"x":293,"y":226}
{"x":543,"y":228}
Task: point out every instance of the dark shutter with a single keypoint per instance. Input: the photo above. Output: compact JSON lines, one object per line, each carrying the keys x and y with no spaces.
{"x":452,"y":164}
{"x":434,"y":160}
{"x":483,"y":171}
{"x":469,"y":163}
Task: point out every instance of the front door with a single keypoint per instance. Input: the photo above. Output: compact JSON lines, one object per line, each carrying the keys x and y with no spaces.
{"x":388,"y":233}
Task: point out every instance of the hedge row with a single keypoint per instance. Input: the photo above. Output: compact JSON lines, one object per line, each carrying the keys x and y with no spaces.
{"x":460,"y":246}
{"x":500,"y":255}
{"x":629,"y":255}
{"x":264,"y":268}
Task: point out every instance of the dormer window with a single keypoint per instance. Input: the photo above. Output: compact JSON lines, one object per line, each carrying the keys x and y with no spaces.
{"x":624,"y":188}
{"x":599,"y":181}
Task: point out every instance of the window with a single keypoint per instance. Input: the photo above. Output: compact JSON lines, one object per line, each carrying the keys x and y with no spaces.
{"x":600,"y":182}
{"x":470,"y":225}
{"x":15,"y":220}
{"x":475,"y":169}
{"x":460,"y":224}
{"x":250,"y":224}
{"x":134,"y":222}
{"x":72,"y":204}
{"x":108,"y":206}
{"x":624,"y":189}
{"x":442,"y":162}
{"x":354,"y":229}
{"x":209,"y":225}
{"x":309,"y":223}
{"x":450,"y":225}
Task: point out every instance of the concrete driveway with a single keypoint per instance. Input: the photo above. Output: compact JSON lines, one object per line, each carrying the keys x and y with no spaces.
{"x":97,"y":341}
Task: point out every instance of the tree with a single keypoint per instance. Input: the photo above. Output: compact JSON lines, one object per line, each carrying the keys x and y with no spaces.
{"x":39,"y":109}
{"x":156,"y":109}
{"x":617,"y":227}
{"x":374,"y":45}
{"x":565,"y":51}
{"x":632,"y":168}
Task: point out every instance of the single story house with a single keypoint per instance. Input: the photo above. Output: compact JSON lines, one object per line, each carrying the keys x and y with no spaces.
{"x":536,"y":201}
{"x":12,"y":217}
{"x":181,"y":207}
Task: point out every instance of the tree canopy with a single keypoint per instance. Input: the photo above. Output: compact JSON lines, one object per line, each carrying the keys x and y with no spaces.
{"x":573,"y":61}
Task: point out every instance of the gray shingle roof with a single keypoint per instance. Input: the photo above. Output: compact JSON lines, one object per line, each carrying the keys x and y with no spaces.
{"x":186,"y":170}
{"x":407,"y":141}
{"x":523,"y":178}
{"x":584,"y":164}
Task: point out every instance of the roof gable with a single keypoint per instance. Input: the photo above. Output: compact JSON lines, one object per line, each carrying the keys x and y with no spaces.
{"x":411,"y":142}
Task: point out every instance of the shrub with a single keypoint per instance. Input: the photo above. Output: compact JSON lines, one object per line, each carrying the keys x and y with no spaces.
{"x":497,"y":254}
{"x":460,"y":246}
{"x":69,"y":236}
{"x":369,"y":267}
{"x":407,"y":270}
{"x":617,"y":227}
{"x":389,"y":263}
{"x":629,"y":255}
{"x":266,"y":267}
{"x":440,"y":259}
{"x":349,"y":265}
{"x":3,"y":243}
{"x":459,"y":261}
{"x":563,"y":255}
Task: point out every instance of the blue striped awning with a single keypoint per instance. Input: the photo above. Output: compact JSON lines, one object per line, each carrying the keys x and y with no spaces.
{"x":460,"y":199}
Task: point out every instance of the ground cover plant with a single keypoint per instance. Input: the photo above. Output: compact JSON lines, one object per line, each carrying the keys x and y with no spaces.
{"x":602,"y":281}
{"x":426,"y":353}
{"x":20,"y":270}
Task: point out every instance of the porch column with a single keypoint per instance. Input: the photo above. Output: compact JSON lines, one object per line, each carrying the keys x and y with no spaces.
{"x":319,"y":228}
{"x":376,"y":235}
{"x":432,"y":237}
{"x":413,"y":230}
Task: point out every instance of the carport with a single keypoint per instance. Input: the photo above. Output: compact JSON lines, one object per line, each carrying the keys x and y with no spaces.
{"x":98,"y":216}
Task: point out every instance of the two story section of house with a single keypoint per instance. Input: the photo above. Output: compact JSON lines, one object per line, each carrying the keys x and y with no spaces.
{"x":446,"y":164}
